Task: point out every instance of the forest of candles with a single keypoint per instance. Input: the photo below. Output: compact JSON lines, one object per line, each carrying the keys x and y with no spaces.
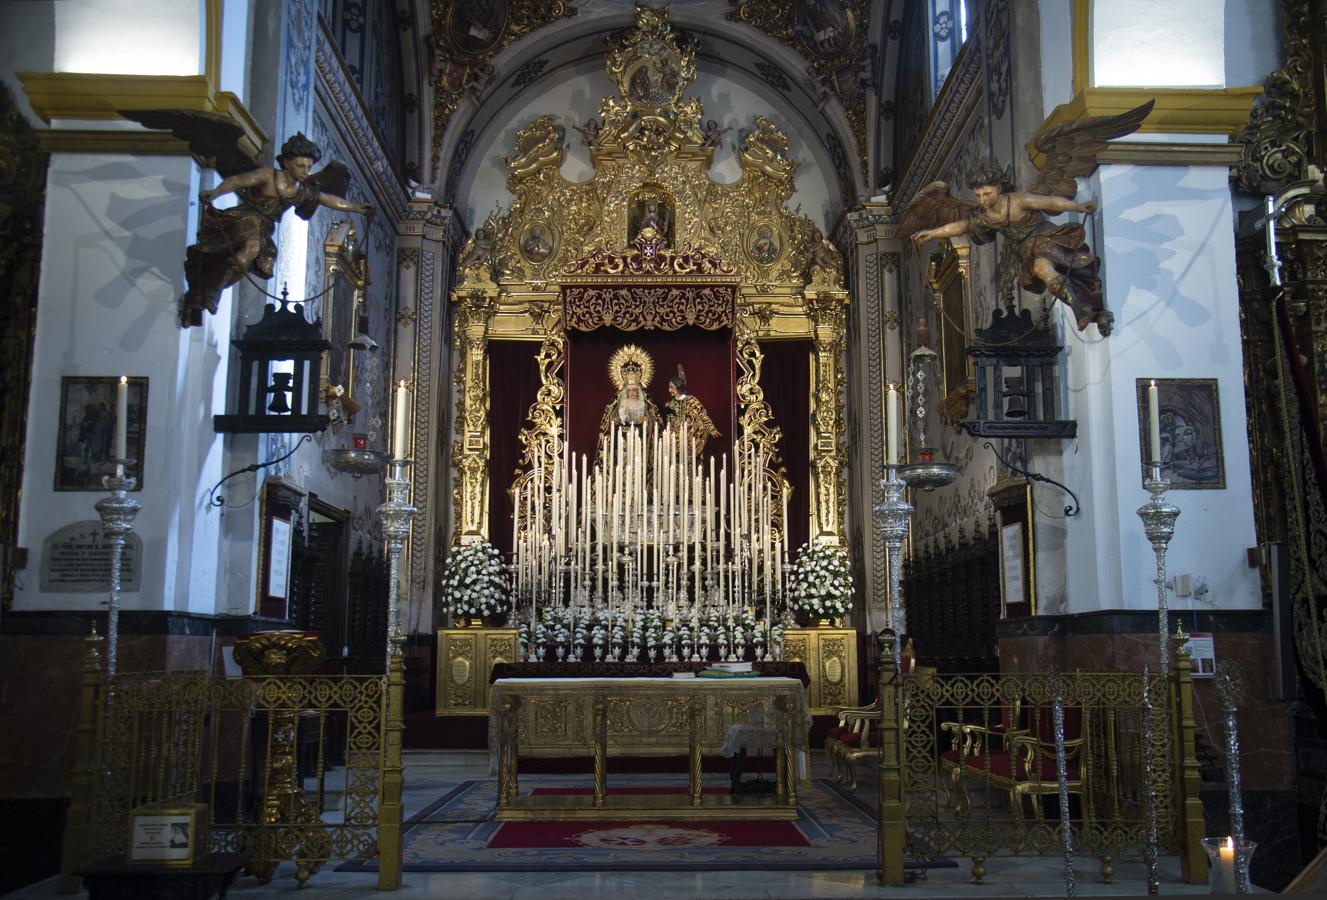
{"x":646,"y":538}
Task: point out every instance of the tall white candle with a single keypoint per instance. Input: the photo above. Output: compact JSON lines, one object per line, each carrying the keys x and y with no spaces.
{"x":399,"y":421}
{"x":891,"y":425}
{"x":1154,"y":423}
{"x":121,"y":423}
{"x":122,"y":418}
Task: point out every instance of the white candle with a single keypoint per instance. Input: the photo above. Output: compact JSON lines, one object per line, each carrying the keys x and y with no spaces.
{"x":122,"y":418}
{"x":1154,"y":423}
{"x":891,"y":423}
{"x":121,"y":424}
{"x":399,"y":422}
{"x":1226,"y":862}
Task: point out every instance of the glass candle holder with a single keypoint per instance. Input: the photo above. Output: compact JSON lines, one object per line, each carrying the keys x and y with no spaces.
{"x":1221,"y":862}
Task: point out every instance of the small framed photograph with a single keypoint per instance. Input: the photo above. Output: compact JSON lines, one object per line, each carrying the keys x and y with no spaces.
{"x":85,"y":445}
{"x":167,"y":836}
{"x":1189,"y":411}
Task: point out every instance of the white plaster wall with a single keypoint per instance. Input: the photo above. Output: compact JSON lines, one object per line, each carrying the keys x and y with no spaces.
{"x":572,"y":95}
{"x":1057,"y":64}
{"x":1169,"y":270}
{"x":129,"y":37}
{"x":27,"y":44}
{"x":116,"y":229}
{"x":235,"y":41}
{"x":1143,"y":43}
{"x":1253,"y":41}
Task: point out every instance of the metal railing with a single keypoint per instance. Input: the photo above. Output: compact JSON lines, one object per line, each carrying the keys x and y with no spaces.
{"x":292,"y":768}
{"x":968,"y":766}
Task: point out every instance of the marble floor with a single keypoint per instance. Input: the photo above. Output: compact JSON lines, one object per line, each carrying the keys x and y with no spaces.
{"x":430,"y":773}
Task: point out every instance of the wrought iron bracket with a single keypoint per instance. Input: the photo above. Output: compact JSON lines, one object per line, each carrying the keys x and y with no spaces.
{"x":1071,"y":510}
{"x":214,"y":500}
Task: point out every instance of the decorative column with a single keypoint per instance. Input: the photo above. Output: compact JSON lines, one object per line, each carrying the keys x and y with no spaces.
{"x":875,"y":356}
{"x":426,"y":243}
{"x":475,"y":306}
{"x":826,"y":304}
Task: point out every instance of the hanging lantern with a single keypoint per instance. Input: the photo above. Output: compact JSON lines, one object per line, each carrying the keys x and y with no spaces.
{"x":1015,"y":361}
{"x":280,"y":374}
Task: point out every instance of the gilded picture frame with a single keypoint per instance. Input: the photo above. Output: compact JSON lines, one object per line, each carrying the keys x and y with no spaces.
{"x":947,"y":280}
{"x":85,"y":439}
{"x":1192,"y":457}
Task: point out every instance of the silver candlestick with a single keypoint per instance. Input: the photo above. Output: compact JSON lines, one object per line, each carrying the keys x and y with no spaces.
{"x":1062,"y":778}
{"x":1149,"y":794}
{"x":1159,"y":517}
{"x":395,"y":516}
{"x":117,"y":512}
{"x":894,"y":514}
{"x":1230,"y":690}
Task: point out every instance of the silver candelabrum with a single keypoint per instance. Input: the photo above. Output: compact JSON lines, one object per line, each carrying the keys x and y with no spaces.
{"x":894,"y":513}
{"x":395,"y":516}
{"x":117,"y":512}
{"x":1159,"y":515}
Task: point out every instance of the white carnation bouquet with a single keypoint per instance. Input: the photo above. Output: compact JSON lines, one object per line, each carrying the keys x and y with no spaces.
{"x":821,"y":585}
{"x":473,"y":581}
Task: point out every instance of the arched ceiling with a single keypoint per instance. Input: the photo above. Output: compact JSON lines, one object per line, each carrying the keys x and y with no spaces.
{"x":557,"y":69}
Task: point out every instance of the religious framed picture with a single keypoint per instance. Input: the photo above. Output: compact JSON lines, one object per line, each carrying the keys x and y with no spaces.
{"x":167,"y":836}
{"x":763,"y":244}
{"x":1190,"y":414}
{"x":85,"y":442}
{"x":538,"y":241}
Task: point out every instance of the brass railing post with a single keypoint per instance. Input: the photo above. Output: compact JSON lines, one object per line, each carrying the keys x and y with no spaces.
{"x":601,"y":750}
{"x":390,"y":810}
{"x":1188,"y":805}
{"x":84,"y":776}
{"x":891,"y":832}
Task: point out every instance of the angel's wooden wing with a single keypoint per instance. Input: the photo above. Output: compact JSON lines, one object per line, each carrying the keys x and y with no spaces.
{"x":932,"y":207}
{"x":214,"y":140}
{"x":1071,"y":148}
{"x":333,"y":178}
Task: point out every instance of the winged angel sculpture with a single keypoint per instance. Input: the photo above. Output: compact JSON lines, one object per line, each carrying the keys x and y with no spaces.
{"x":236,"y":241}
{"x":1056,"y":257}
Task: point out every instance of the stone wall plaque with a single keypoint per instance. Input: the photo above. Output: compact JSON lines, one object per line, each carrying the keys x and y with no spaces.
{"x":77,"y":560}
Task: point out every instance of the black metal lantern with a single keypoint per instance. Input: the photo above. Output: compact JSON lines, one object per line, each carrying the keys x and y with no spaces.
{"x":1014,"y":361}
{"x":280,"y":389}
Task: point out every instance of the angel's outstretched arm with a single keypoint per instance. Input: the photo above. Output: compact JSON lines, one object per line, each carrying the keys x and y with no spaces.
{"x":1052,"y":203}
{"x":953,"y":229}
{"x":332,"y":201}
{"x":249,"y":179}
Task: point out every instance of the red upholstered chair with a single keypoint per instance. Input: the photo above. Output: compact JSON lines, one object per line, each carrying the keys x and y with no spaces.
{"x":984,"y":751}
{"x":1035,"y":753}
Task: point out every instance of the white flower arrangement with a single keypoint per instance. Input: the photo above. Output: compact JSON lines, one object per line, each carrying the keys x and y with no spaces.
{"x":821,"y":585}
{"x":473,"y":581}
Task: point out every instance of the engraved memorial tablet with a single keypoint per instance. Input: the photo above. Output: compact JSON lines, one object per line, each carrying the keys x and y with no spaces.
{"x":77,"y":560}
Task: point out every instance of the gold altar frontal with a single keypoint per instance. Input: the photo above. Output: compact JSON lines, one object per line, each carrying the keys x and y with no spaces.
{"x":569,"y":717}
{"x":466,"y":657}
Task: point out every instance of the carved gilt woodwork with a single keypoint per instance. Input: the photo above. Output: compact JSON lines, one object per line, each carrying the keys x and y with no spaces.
{"x":587,"y":248}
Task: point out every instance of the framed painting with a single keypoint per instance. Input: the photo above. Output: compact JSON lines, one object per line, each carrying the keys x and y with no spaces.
{"x":1190,"y":414}
{"x":85,"y":443}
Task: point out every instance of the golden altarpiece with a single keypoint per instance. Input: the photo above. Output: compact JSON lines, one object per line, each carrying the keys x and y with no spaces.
{"x":650,"y":243}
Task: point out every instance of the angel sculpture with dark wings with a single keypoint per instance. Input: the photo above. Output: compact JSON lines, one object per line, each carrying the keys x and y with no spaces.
{"x":1056,"y":258}
{"x":236,"y":241}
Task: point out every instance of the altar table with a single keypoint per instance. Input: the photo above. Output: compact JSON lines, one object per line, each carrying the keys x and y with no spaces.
{"x":644,"y":717}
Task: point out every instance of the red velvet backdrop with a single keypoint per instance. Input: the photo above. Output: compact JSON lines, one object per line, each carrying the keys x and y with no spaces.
{"x":708,"y":357}
{"x":513,"y":381}
{"x":785,"y":378}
